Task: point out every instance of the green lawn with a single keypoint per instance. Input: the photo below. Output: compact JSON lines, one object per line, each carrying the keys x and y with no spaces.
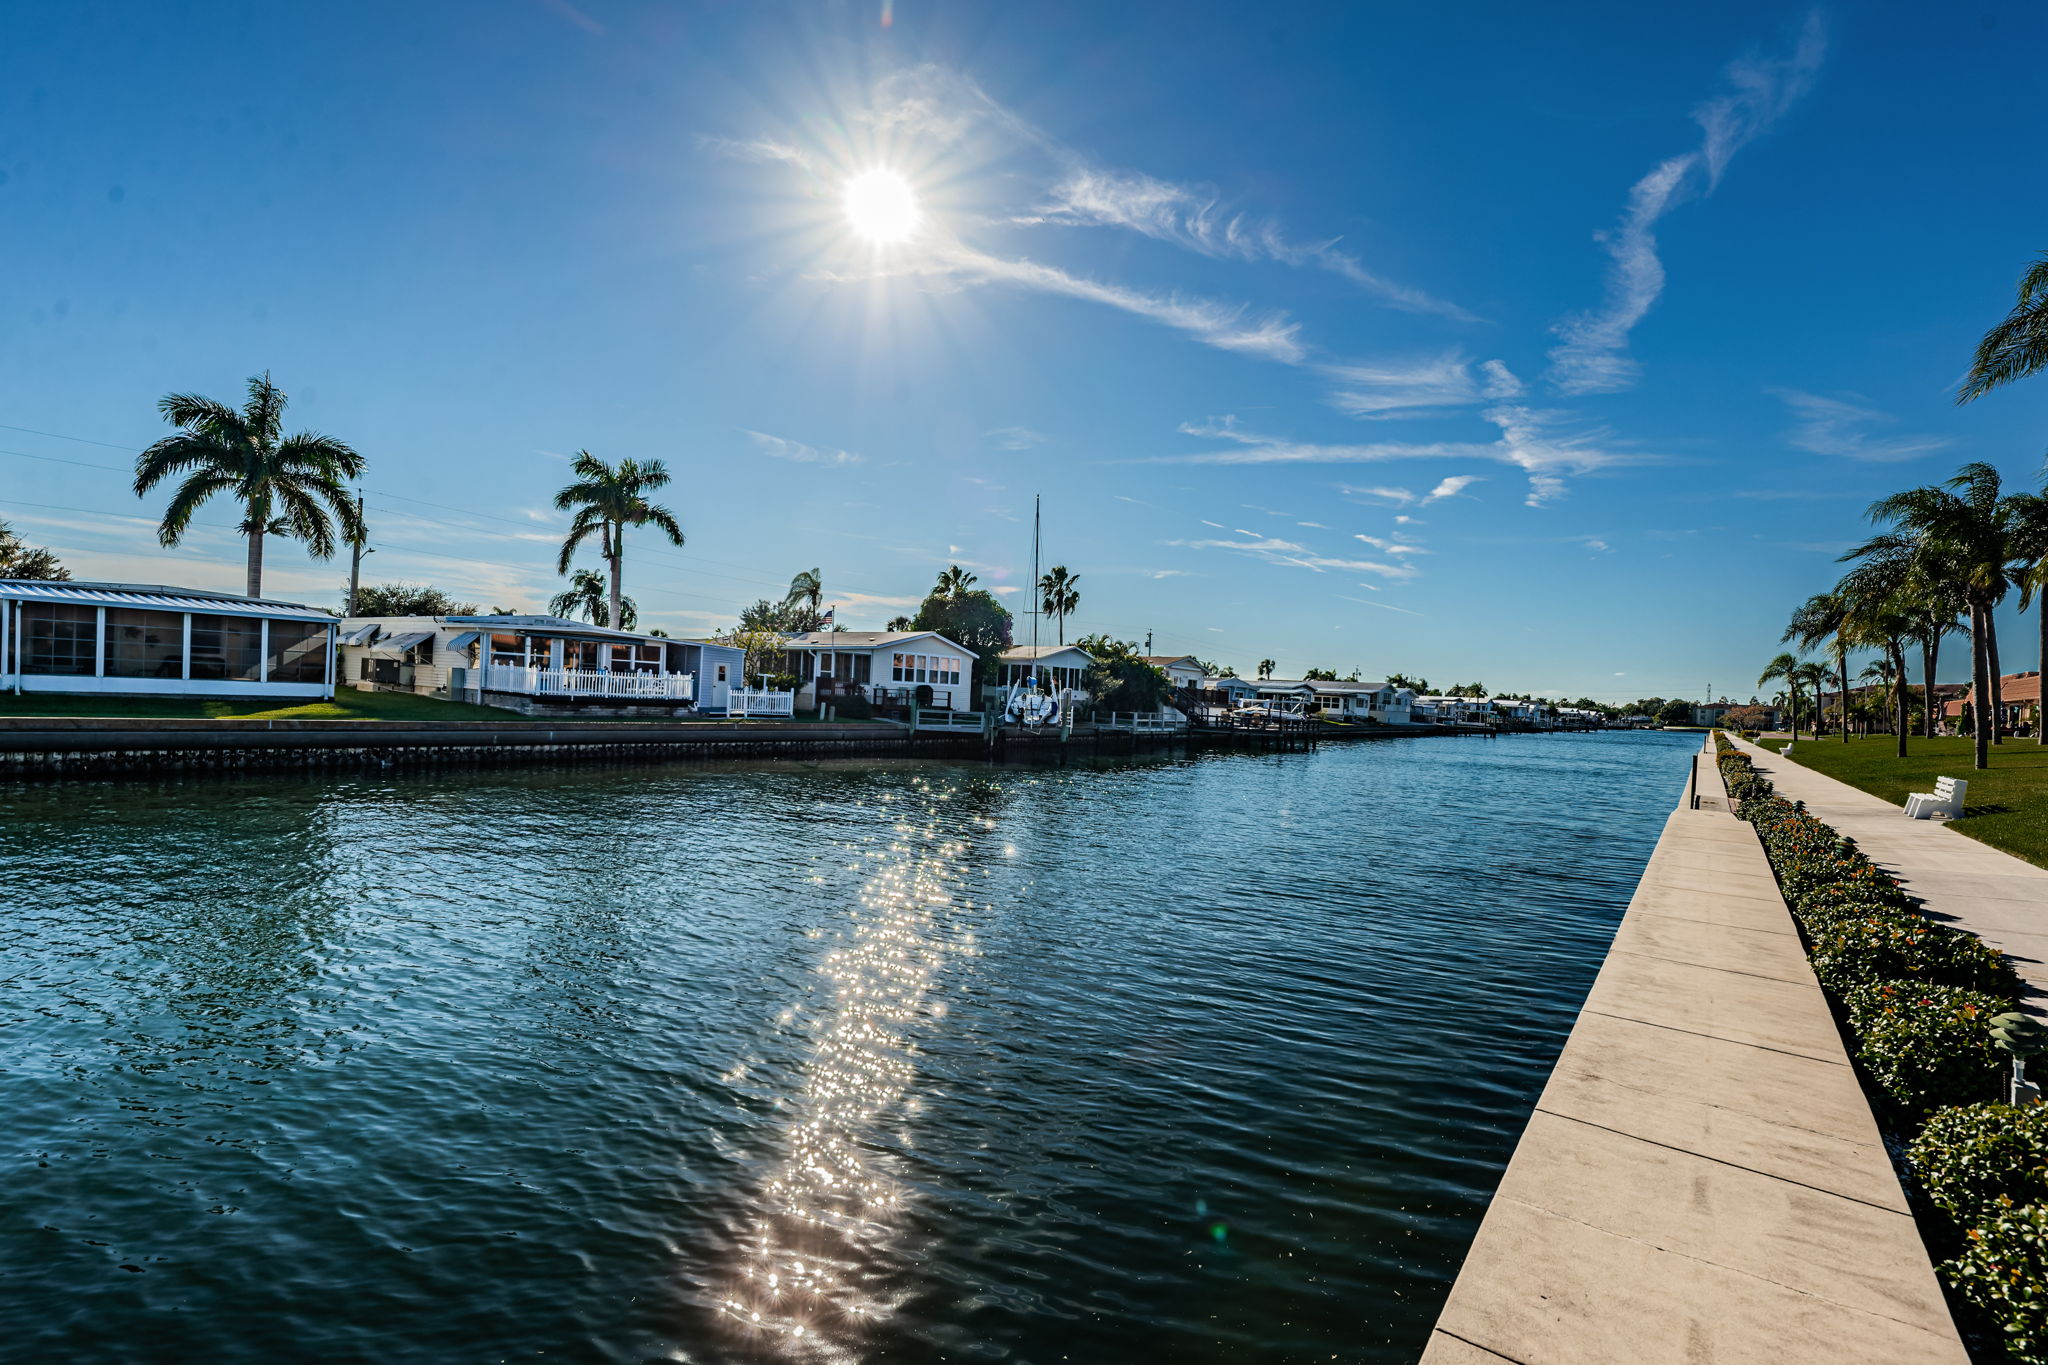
{"x":2007,"y":804}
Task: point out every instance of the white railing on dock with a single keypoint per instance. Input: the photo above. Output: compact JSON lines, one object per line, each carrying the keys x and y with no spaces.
{"x":593,"y":683}
{"x":746,"y":701}
{"x":1142,"y":722}
{"x":950,"y":720}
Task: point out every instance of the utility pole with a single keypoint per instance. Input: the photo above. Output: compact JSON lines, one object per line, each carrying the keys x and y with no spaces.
{"x":355,"y":562}
{"x":1148,"y":642}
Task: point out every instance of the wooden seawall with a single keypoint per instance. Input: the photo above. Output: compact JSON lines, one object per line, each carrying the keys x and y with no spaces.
{"x":1702,"y":1182}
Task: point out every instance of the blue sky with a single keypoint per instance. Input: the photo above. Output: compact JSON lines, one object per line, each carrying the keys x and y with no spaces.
{"x":1555,"y":347}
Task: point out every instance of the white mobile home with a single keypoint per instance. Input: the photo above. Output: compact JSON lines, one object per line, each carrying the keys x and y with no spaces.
{"x":1061,"y":669}
{"x":131,"y":639}
{"x":881,"y":665}
{"x":537,"y":663}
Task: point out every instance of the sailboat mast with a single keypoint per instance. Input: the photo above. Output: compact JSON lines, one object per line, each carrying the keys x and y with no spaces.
{"x":1035,"y":500}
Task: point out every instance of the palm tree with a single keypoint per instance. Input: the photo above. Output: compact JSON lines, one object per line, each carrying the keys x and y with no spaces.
{"x":1878,"y":598}
{"x":1058,"y":597}
{"x":586,"y":596}
{"x":1784,"y":668}
{"x":2027,"y":527}
{"x":607,"y":500}
{"x":1266,"y":667}
{"x":1959,"y":534}
{"x":1817,"y":621}
{"x":286,"y":485}
{"x":954,"y":581}
{"x":807,"y":589}
{"x":2016,"y":347}
{"x":1814,"y":675}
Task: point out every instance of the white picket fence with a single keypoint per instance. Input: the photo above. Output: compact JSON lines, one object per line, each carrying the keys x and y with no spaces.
{"x":746,"y":701}
{"x":580,"y":682}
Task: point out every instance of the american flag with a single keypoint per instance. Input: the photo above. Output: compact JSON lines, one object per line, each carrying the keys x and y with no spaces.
{"x":829,"y":612}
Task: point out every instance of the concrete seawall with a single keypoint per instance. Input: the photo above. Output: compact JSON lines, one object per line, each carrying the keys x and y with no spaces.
{"x":1702,"y":1180}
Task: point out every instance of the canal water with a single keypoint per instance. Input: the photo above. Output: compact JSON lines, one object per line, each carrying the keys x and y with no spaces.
{"x":1199,"y":1060}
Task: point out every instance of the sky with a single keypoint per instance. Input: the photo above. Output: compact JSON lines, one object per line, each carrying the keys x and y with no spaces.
{"x":1555,"y":347}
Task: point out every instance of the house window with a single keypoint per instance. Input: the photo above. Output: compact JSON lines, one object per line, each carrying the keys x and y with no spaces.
{"x":145,"y":644}
{"x":508,"y":649}
{"x":58,"y":640}
{"x":898,"y":670}
{"x":230,"y":648}
{"x":298,"y":652}
{"x":721,"y":672}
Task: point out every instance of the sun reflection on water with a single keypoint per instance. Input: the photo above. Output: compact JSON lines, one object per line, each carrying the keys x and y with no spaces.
{"x":829,"y":1207}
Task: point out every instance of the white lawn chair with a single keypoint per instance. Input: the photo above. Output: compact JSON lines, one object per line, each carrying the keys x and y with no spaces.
{"x":1946,"y":799}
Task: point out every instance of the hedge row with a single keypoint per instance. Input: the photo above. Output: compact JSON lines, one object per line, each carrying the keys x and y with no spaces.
{"x":1918,"y":995}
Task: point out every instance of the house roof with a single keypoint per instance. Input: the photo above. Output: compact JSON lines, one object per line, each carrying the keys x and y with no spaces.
{"x":866,"y":639}
{"x":1018,"y":654}
{"x":1168,"y":660}
{"x":531,"y":625}
{"x":155,"y":596}
{"x":2014,"y":688}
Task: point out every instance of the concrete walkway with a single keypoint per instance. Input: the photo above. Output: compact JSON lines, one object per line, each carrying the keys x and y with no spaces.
{"x":1702,"y":1181}
{"x":1994,"y":895}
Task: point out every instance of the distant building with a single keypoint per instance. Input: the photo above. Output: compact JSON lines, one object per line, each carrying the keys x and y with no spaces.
{"x":1182,"y":670}
{"x":145,"y":640}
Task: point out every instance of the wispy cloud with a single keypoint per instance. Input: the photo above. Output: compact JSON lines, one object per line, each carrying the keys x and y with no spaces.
{"x":1014,"y":438}
{"x":1383,"y":606}
{"x":1592,"y":354}
{"x":1452,"y":487}
{"x":1530,"y":439}
{"x":1286,"y":552}
{"x":1199,"y":220}
{"x":1389,"y":547}
{"x":782,"y":448}
{"x":761,"y":150}
{"x":1850,"y":428}
{"x":1227,"y":327}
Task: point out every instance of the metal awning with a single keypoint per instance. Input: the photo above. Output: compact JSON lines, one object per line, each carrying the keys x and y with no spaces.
{"x":466,"y":639}
{"x":406,"y":640}
{"x":362,"y":635}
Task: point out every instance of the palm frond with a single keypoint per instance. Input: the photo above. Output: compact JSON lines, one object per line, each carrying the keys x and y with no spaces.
{"x":2018,"y":345}
{"x":312,"y":452}
{"x":197,"y":411}
{"x":191,"y":495}
{"x":587,"y":521}
{"x":264,"y":412}
{"x":174,"y":454}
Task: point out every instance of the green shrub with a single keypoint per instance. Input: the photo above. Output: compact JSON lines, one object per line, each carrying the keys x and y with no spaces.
{"x":2004,"y":1271}
{"x":1927,"y":1046}
{"x":1969,"y":1157}
{"x":1854,"y":950}
{"x":850,"y":707}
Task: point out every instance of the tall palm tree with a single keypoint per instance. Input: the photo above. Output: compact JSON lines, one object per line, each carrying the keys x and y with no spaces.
{"x":2016,"y":347}
{"x":1815,"y":675}
{"x":608,"y":499}
{"x":1879,"y":601}
{"x":807,"y":589}
{"x":1960,"y":534}
{"x":1058,"y":597}
{"x":1266,"y":667}
{"x":292,"y":485}
{"x":587,"y":596}
{"x":2027,"y":527}
{"x":1784,"y":668}
{"x":1821,"y":620}
{"x":954,"y":581}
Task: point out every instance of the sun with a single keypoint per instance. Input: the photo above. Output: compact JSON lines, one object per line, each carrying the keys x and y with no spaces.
{"x":881,"y":206}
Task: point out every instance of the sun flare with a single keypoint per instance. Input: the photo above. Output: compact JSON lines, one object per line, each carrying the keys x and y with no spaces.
{"x":881,"y":206}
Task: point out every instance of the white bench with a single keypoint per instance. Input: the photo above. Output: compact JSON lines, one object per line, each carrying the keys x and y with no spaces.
{"x":1946,"y":799}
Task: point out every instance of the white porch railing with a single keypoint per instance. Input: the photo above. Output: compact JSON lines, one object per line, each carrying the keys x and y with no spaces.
{"x":579,"y":682}
{"x":747,"y":701}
